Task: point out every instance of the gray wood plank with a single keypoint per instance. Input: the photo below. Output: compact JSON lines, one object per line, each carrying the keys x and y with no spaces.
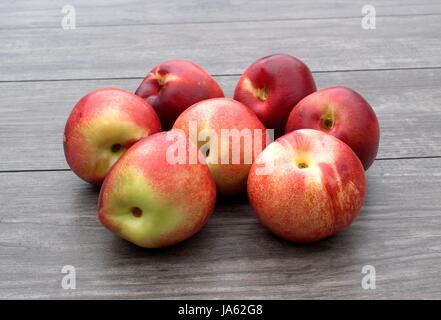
{"x":33,"y":114}
{"x":47,"y":13}
{"x":222,"y":48}
{"x":48,"y":219}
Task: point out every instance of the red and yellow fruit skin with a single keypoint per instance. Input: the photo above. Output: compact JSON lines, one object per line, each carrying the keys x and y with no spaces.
{"x":100,"y":120}
{"x":174,"y":85}
{"x":353,"y":120}
{"x":176,"y":199}
{"x":218,"y":114}
{"x":307,"y":204}
{"x":272,"y":86}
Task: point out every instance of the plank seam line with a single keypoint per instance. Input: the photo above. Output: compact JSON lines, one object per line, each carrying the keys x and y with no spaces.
{"x":408,"y":158}
{"x":226,"y":22}
{"x":223,"y":75}
{"x":65,"y":170}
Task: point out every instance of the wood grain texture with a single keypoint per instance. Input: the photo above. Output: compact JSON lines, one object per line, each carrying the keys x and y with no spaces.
{"x":221,"y":48}
{"x":48,"y":220}
{"x":47,"y":13}
{"x":33,"y":115}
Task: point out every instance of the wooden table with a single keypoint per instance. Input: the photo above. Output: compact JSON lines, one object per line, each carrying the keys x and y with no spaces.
{"x":48,"y":216}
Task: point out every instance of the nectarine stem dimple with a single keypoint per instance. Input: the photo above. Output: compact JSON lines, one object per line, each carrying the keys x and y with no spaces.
{"x":161,"y":79}
{"x":262,"y":93}
{"x":327,"y":123}
{"x":328,"y":119}
{"x":137,"y":212}
{"x":116,"y":147}
{"x":302,"y":165}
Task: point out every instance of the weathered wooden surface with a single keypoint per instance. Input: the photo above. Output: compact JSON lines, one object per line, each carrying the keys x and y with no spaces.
{"x":49,"y":220}
{"x":222,"y":48}
{"x":47,"y":215}
{"x":47,"y":13}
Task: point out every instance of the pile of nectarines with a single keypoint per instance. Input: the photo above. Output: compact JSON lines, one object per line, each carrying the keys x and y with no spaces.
{"x":159,"y":188}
